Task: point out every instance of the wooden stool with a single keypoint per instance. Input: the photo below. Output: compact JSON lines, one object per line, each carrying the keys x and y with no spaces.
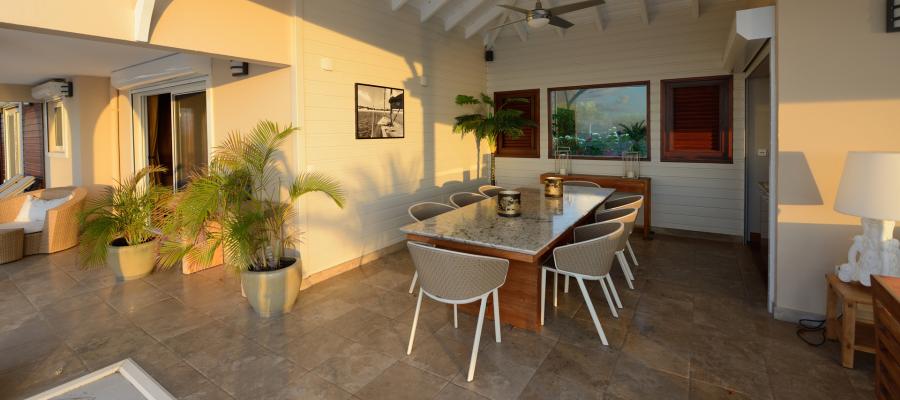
{"x":11,"y":244}
{"x":857,"y":322}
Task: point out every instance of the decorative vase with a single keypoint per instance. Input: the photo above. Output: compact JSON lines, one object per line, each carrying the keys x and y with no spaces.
{"x":273,"y":293}
{"x":132,"y":262}
{"x":553,"y":187}
{"x":509,"y":203}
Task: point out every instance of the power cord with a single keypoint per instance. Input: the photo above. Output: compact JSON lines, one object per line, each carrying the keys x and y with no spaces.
{"x":807,"y":326}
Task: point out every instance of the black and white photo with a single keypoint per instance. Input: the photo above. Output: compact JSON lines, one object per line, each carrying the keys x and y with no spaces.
{"x":379,"y":112}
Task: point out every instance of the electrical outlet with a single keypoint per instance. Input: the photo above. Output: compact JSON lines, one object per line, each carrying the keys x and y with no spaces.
{"x":762,"y":152}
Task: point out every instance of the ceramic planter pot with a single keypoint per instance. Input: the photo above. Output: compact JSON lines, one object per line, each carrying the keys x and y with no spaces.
{"x":272,"y":293}
{"x":132,"y":262}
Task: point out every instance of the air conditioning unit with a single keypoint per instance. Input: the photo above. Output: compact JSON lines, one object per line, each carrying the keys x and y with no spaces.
{"x":52,"y":89}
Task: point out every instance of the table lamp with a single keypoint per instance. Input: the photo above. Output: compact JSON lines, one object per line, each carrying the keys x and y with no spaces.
{"x":870,"y":189}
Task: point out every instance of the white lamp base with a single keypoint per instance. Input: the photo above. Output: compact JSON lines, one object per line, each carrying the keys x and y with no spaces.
{"x":874,"y":252}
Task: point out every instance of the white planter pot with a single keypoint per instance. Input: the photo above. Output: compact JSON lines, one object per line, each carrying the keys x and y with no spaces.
{"x":272,"y":293}
{"x":132,"y":262}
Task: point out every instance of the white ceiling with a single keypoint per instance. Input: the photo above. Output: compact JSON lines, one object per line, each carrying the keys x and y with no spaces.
{"x":476,"y":17}
{"x":29,"y":58}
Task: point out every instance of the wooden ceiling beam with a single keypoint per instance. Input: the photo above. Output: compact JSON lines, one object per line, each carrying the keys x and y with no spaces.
{"x":397,"y":4}
{"x":484,"y":19}
{"x":431,"y":7}
{"x":462,"y":12}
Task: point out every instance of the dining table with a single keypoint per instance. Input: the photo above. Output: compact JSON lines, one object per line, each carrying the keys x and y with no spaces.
{"x":527,"y":241}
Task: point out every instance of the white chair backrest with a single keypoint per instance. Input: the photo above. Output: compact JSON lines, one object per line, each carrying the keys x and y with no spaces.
{"x":592,"y":256}
{"x":428,"y":209}
{"x":463,"y":199}
{"x":634,"y":202}
{"x":626,"y":216}
{"x":581,"y":183}
{"x":490,"y":190}
{"x":456,"y":276}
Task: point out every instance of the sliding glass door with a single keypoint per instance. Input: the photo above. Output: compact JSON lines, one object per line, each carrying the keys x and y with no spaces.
{"x":172,"y":131}
{"x":12,"y":142}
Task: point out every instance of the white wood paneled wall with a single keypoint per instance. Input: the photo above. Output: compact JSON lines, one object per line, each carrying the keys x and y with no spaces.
{"x":383,"y":178}
{"x":691,"y":196}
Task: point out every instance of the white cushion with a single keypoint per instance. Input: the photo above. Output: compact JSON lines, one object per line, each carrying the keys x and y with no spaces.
{"x":34,"y":209}
{"x":29,"y":227}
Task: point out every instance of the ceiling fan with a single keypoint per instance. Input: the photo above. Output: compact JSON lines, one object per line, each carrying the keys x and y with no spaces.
{"x":540,"y":17}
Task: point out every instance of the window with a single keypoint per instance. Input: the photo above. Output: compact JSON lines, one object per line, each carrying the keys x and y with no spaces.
{"x":55,"y":141}
{"x":696,"y":119}
{"x":527,"y":145}
{"x":600,"y":121}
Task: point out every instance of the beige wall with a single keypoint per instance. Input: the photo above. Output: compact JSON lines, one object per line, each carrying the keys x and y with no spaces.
{"x":838,"y":91}
{"x":10,"y":92}
{"x":255,"y":30}
{"x":91,"y":137}
{"x":371,"y":44}
{"x":691,"y":196}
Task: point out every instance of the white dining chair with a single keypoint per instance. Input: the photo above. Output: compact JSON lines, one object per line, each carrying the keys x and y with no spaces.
{"x":626,"y":216}
{"x":588,"y":259}
{"x":462,"y":199}
{"x":581,"y":183}
{"x":490,"y":190}
{"x":452,"y":277}
{"x":634,"y":202}
{"x":420,"y":212}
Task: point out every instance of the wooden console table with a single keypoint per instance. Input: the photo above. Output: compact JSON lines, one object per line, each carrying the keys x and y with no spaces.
{"x":886,"y":294}
{"x":627,"y":185}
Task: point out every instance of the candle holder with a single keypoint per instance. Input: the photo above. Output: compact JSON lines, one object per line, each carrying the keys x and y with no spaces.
{"x":553,"y":187}
{"x":563,"y":163}
{"x":509,"y":203}
{"x":631,"y":164}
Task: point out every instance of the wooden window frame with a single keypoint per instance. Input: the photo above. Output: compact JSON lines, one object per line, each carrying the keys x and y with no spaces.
{"x":535,"y":150}
{"x":723,"y":155}
{"x":550,"y":155}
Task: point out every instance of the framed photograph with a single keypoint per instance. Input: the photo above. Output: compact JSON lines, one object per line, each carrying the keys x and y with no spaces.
{"x":379,"y":112}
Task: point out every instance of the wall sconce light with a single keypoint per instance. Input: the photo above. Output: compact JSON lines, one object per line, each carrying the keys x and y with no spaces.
{"x":326,"y":64}
{"x":240,"y":68}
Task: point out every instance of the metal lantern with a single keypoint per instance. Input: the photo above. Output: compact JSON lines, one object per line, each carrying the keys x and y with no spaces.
{"x":553,"y":187}
{"x":509,"y":203}
{"x":631,"y":164}
{"x":563,"y":160}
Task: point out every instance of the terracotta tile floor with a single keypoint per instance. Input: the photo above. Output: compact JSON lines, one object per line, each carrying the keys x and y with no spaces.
{"x":695,"y":327}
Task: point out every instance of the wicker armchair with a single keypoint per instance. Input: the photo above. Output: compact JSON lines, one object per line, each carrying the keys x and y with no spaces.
{"x":60,"y":230}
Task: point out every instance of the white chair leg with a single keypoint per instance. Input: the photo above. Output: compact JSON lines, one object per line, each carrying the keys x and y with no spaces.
{"x":412,"y":335}
{"x":555,"y":285}
{"x":612,"y":307}
{"x":455,"y":317}
{"x":612,"y":288}
{"x":477,"y":339}
{"x":587,"y":299}
{"x":566,"y":285}
{"x":543,"y":292}
{"x":412,"y":285}
{"x":631,"y":251}
{"x":496,"y":316}
{"x":625,"y":270}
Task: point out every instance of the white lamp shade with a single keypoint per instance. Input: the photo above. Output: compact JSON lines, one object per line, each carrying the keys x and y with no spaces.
{"x":538,"y":23}
{"x":870,"y":186}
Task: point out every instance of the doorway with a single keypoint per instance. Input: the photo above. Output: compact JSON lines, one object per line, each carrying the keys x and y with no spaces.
{"x":756,"y":169}
{"x":172,"y":131}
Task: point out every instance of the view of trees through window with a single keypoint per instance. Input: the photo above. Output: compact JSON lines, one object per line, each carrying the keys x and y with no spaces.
{"x":600,"y":121}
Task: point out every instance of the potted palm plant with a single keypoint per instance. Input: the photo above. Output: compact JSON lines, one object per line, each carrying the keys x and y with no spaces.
{"x":489,"y":121}
{"x":119,"y":225}
{"x":235,"y":205}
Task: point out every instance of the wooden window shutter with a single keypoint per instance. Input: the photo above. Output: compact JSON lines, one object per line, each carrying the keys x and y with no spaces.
{"x":697,"y":120}
{"x":527,"y":145}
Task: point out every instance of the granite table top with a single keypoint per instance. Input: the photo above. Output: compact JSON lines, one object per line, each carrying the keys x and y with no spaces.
{"x":543,"y":220}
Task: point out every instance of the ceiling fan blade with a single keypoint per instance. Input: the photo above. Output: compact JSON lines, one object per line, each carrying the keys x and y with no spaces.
{"x":508,"y":23}
{"x":575,"y":7}
{"x":516,"y":9}
{"x":557,"y":21}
